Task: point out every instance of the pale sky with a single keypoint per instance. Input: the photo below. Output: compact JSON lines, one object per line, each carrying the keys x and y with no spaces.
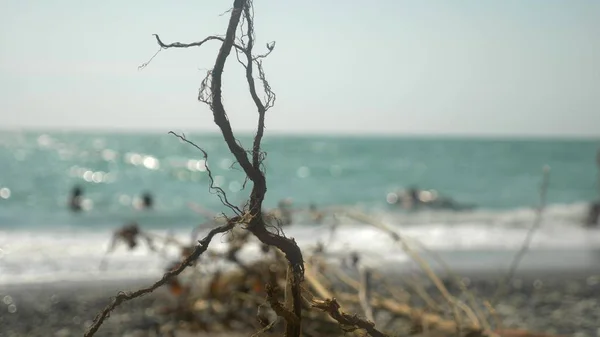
{"x":475,"y":67}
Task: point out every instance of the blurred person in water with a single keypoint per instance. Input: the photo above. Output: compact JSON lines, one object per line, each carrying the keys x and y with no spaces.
{"x":76,"y":199}
{"x":145,"y":202}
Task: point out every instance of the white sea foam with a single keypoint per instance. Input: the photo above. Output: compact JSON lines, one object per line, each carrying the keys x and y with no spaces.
{"x":479,"y":239}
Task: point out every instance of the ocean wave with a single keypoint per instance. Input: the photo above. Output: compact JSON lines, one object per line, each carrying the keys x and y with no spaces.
{"x":476,"y":238}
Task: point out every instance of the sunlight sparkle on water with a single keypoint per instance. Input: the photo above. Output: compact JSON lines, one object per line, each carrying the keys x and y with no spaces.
{"x":97,"y":177}
{"x":219,"y":181}
{"x":197,"y":165}
{"x":235,"y":186}
{"x":226,"y":163}
{"x":4,"y":193}
{"x":151,"y":163}
{"x":134,"y":158}
{"x":109,"y":155}
{"x":44,"y":140}
{"x":87,"y":176}
{"x":391,"y":198}
{"x":303,"y":172}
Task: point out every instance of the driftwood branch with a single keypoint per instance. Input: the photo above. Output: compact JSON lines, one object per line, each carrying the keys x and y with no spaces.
{"x":212,"y":94}
{"x":332,"y":308}
{"x":279,"y":308}
{"x":127,"y":296}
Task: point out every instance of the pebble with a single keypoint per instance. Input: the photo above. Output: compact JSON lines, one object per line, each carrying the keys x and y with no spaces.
{"x":64,"y":332}
{"x":547,"y":305}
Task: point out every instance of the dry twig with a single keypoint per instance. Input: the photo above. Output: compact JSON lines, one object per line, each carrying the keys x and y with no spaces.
{"x":126,"y":296}
{"x":332,"y":308}
{"x":528,"y":238}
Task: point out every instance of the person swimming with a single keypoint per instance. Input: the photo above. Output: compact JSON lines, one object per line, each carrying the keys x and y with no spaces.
{"x":147,"y":200}
{"x":76,"y":199}
{"x":414,"y":198}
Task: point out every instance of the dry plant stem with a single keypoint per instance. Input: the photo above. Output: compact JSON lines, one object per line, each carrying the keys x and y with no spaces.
{"x":332,"y":308}
{"x":220,"y":193}
{"x":426,"y":268}
{"x":527,"y":242}
{"x":126,"y":296}
{"x":364,"y":294}
{"x":472,"y":302}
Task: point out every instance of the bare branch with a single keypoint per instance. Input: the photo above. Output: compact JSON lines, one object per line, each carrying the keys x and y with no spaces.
{"x":332,"y":308}
{"x":145,"y":64}
{"x":270,"y":46}
{"x":127,"y":296}
{"x":226,"y":12}
{"x":220,"y":193}
{"x":193,"y":44}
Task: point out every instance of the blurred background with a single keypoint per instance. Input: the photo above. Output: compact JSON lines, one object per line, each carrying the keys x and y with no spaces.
{"x":438,"y":118}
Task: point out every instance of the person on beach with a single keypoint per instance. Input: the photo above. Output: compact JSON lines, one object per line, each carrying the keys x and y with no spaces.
{"x":129,"y":234}
{"x":76,"y":199}
{"x":593,"y":216}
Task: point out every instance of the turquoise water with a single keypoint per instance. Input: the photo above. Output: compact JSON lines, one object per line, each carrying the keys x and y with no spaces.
{"x":40,"y":169}
{"x":41,"y":240}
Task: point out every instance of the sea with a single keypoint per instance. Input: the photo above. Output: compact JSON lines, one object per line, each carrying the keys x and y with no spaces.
{"x":41,"y":240}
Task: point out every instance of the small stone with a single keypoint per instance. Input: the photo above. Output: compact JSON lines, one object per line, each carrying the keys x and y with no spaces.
{"x":557,"y":314}
{"x":64,"y":332}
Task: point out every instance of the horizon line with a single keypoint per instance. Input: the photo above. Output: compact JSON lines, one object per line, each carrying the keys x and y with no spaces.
{"x":320,"y":133}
